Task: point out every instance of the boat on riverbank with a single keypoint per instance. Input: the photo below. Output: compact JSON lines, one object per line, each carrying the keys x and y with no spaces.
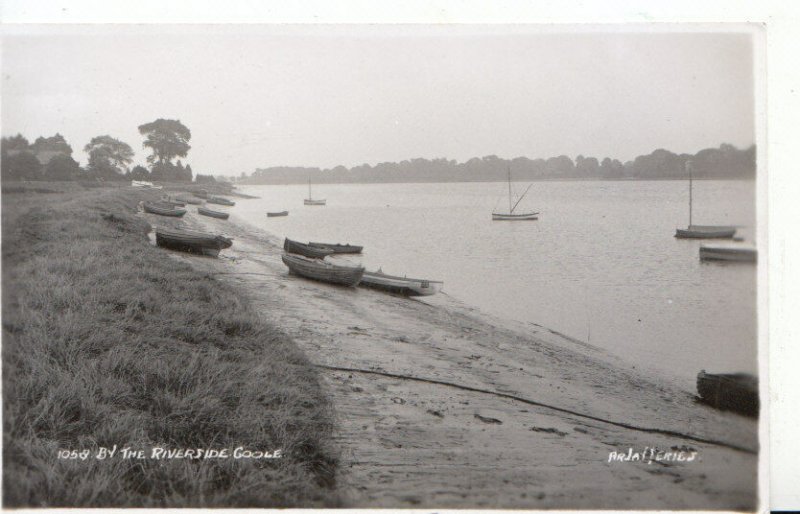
{"x":211,"y":213}
{"x":702,"y":231}
{"x":400,"y":285}
{"x":143,"y":184}
{"x":202,"y":193}
{"x":221,"y":201}
{"x":338,"y":248}
{"x":277,"y":214}
{"x":187,"y":199}
{"x":168,"y":200}
{"x":323,"y":271}
{"x":162,"y":210}
{"x":305,"y":250}
{"x":511,"y":215}
{"x":728,"y":253}
{"x":192,"y":241}
{"x":737,"y":392}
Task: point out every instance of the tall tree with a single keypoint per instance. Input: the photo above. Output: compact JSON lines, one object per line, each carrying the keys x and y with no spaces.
{"x":108,"y":157}
{"x":166,"y":138}
{"x":61,"y":167}
{"x":55,"y":143}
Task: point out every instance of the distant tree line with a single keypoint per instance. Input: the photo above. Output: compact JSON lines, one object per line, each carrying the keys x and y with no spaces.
{"x":50,"y":158}
{"x":721,"y":163}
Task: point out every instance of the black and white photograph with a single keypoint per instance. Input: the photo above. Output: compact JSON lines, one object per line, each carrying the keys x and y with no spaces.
{"x":399,"y":266}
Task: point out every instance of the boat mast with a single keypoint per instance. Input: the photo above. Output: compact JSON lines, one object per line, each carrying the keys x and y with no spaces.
{"x":689,"y":169}
{"x":510,"y":208}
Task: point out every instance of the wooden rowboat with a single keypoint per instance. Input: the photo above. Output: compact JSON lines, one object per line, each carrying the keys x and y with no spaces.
{"x":338,"y":248}
{"x":192,"y":241}
{"x":303,"y":249}
{"x":168,"y":200}
{"x":515,"y":217}
{"x":214,"y":214}
{"x":736,"y":392}
{"x":189,"y":199}
{"x":323,"y":271}
{"x":162,"y":210}
{"x":221,"y":201}
{"x":276,"y":214}
{"x":728,"y":253}
{"x":401,"y":285}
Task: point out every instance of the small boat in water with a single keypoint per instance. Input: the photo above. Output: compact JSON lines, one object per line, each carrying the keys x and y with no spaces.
{"x":303,"y":249}
{"x":401,"y":285}
{"x":310,"y":200}
{"x":702,"y":231}
{"x":511,"y":215}
{"x":192,"y":241}
{"x":221,"y":201}
{"x":276,"y":214}
{"x":323,"y":271}
{"x":728,"y":253}
{"x":214,"y":214}
{"x":162,"y":209}
{"x":338,"y":248}
{"x":736,"y":392}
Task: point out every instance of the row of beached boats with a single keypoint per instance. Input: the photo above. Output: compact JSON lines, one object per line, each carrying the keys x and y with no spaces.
{"x":307,"y":260}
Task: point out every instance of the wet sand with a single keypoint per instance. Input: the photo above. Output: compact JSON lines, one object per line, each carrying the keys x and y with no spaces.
{"x":442,"y":406}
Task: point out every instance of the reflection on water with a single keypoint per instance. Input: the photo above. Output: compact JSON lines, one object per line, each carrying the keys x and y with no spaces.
{"x":601,"y":263}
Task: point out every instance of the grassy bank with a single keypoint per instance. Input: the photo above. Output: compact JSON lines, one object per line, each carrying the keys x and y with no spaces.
{"x":108,"y":341}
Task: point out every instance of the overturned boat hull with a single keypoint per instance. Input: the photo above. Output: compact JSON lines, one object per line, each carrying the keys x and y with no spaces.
{"x":213,"y":214}
{"x":192,"y":241}
{"x":323,"y":271}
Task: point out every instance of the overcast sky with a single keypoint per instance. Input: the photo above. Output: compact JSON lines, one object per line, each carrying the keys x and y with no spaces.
{"x":256,"y":96}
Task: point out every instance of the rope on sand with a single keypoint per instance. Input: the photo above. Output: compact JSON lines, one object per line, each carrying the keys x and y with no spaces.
{"x":546,"y":406}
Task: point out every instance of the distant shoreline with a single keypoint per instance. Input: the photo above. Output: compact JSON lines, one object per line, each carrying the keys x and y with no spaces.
{"x":560,"y":179}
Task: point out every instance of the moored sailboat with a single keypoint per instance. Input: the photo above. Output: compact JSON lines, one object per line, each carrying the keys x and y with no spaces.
{"x":310,"y":200}
{"x":702,"y":231}
{"x":511,"y":215}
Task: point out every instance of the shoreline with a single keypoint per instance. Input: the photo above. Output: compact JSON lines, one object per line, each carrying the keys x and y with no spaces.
{"x":409,"y":439}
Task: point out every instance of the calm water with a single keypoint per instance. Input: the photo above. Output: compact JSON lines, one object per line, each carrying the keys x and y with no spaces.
{"x":601,"y":263}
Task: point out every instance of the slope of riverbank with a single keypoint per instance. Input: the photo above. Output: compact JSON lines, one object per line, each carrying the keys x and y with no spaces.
{"x":107,"y":341}
{"x":443,"y":406}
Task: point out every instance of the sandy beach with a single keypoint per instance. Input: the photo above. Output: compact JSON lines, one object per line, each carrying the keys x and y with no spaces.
{"x":443,"y":406}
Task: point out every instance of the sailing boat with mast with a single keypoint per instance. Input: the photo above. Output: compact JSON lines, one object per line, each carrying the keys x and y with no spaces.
{"x":511,"y":215}
{"x":702,"y":231}
{"x":310,"y":200}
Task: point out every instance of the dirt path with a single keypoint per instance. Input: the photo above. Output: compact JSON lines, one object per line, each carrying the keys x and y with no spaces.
{"x":414,"y":443}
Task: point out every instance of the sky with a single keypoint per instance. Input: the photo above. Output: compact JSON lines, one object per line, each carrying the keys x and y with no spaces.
{"x":257,"y":96}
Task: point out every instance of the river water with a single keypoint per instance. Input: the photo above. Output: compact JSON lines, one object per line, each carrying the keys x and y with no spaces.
{"x":600,"y":265}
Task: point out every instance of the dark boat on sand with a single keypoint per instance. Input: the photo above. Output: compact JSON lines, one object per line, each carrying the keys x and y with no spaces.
{"x":338,"y":248}
{"x":305,"y":250}
{"x":221,"y":201}
{"x":192,"y":241}
{"x":323,"y":271}
{"x":202,"y":193}
{"x":276,"y":214}
{"x":736,"y":392}
{"x":162,"y":209}
{"x":214,"y":214}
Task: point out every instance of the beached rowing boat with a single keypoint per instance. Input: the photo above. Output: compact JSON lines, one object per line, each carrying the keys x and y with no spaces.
{"x":737,"y":392}
{"x":202,"y":193}
{"x":162,"y":210}
{"x":728,"y":253}
{"x":303,"y":249}
{"x":221,"y":201}
{"x":189,"y":199}
{"x":401,"y":285}
{"x":276,"y":214}
{"x":214,"y":214}
{"x":338,"y":248}
{"x":322,"y":270}
{"x":168,"y":200}
{"x":192,"y":241}
{"x":144,"y":184}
